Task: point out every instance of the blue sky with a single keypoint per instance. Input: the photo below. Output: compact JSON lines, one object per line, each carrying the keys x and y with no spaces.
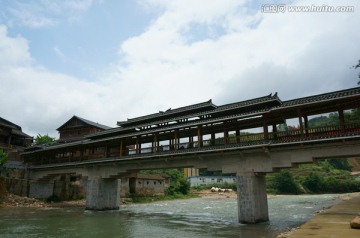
{"x":81,"y":40}
{"x":108,"y":60}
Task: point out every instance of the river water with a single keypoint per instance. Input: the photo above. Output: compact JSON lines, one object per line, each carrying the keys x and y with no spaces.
{"x":195,"y":218}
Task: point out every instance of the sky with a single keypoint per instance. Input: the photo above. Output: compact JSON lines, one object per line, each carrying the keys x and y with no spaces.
{"x":110,"y":60}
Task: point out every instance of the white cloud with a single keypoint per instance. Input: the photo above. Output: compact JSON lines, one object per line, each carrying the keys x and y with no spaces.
{"x":254,"y":54}
{"x":243,"y":54}
{"x":37,"y":99}
{"x":13,"y":51}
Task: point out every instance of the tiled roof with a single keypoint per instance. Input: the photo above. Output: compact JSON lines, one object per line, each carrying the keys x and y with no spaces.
{"x":204,"y":106}
{"x":252,"y":102}
{"x":217,"y":112}
{"x":88,"y":122}
{"x":16,"y":130}
{"x":322,"y":97}
{"x":9,"y":124}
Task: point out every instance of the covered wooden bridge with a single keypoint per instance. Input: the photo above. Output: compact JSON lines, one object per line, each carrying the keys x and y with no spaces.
{"x":206,"y":126}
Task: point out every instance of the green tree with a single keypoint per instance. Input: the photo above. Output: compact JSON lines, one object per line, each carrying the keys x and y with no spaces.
{"x":314,"y":182}
{"x":284,"y":182}
{"x":44,"y":140}
{"x":341,"y":164}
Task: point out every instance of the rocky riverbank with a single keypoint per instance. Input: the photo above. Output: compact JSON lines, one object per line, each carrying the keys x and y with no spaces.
{"x":11,"y":200}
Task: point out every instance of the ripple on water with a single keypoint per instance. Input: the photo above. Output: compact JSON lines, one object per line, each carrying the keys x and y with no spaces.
{"x":178,"y":219}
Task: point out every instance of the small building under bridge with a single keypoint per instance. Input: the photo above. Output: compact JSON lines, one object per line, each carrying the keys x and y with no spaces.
{"x":240,"y":138}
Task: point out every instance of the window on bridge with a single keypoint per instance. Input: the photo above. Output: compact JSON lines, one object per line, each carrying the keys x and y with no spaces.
{"x":251,"y":135}
{"x":219,"y":139}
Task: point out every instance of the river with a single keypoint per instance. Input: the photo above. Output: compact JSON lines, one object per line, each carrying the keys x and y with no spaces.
{"x":195,"y":218}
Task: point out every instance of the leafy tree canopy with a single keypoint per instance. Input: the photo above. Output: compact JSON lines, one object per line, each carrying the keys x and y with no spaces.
{"x":284,"y":182}
{"x":44,"y":140}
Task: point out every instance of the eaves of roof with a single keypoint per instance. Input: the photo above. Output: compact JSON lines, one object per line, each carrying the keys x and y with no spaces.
{"x":88,"y":122}
{"x":168,"y":113}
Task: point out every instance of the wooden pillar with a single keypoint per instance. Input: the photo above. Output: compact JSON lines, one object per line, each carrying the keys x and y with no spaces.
{"x":266,"y":131}
{"x":176,"y":139}
{"x":138,"y":145}
{"x":200,"y":144}
{"x":226,"y":134}
{"x":306,"y":122}
{"x":274,"y":129}
{"x":342,"y":120}
{"x":155,"y":143}
{"x":121,"y":149}
{"x":191,"y":142}
{"x":213,"y":138}
{"x":301,"y":126}
{"x":171,"y":143}
{"x":237,"y":132}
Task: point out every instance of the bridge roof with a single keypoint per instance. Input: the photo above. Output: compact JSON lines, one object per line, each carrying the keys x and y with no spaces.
{"x":169,"y":113}
{"x":190,"y":118}
{"x":251,"y":105}
{"x":321,"y":103}
{"x":250,"y":112}
{"x":246,"y":114}
{"x":346,"y":93}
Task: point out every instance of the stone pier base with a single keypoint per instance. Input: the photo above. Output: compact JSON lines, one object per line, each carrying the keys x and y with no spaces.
{"x":102,"y":194}
{"x":41,"y":190}
{"x":252,"y":198}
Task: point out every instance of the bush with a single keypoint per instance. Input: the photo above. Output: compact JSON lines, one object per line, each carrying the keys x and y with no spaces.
{"x":342,"y":164}
{"x":284,"y":182}
{"x":184,"y":186}
{"x":315,"y":183}
{"x":180,"y":185}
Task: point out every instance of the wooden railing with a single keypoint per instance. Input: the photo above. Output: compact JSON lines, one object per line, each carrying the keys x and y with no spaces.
{"x":311,"y":133}
{"x":289,"y":136}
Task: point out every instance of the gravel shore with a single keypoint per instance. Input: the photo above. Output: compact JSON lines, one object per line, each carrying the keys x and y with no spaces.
{"x":11,"y":200}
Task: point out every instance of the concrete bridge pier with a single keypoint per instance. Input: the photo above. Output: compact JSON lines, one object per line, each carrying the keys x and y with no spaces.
{"x":252,"y":198}
{"x":102,"y":194}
